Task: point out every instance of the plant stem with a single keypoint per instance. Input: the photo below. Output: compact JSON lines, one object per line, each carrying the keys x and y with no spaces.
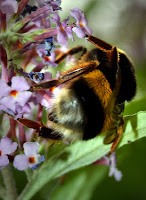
{"x":11,"y":193}
{"x":2,"y":192}
{"x":28,"y":174}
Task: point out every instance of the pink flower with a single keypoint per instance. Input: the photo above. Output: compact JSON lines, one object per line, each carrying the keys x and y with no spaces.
{"x":30,"y":158}
{"x":113,"y":169}
{"x":112,"y":163}
{"x":81,"y":28}
{"x":6,"y":147}
{"x":42,"y":21}
{"x":48,"y":60}
{"x":54,"y":5}
{"x":44,"y":98}
{"x":64,"y":30}
{"x":8,"y":7}
{"x":15,"y":96}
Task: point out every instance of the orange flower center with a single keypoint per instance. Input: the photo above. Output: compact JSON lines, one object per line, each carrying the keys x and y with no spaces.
{"x":43,"y":21}
{"x":52,"y":89}
{"x":0,"y":153}
{"x":20,"y":45}
{"x":31,"y":159}
{"x":13,"y":93}
{"x":61,"y":28}
{"x":81,"y":24}
{"x":36,"y":76}
{"x":47,"y":58}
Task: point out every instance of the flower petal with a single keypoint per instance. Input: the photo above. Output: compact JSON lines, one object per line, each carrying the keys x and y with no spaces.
{"x":116,"y":173}
{"x":62,"y":38}
{"x":44,"y":98}
{"x":8,"y":102}
{"x":113,"y":169}
{"x":5,"y":89}
{"x":21,"y":162}
{"x":31,"y":148}
{"x":75,"y":14}
{"x":69,"y":32}
{"x":23,"y":97}
{"x":21,"y":110}
{"x":7,"y":146}
{"x":83,"y":18}
{"x":56,"y":19}
{"x":79,"y":32}
{"x":65,"y":23}
{"x":7,"y":110}
{"x":8,"y":6}
{"x":19,"y":83}
{"x":40,"y":159}
{"x":4,"y":161}
{"x":88,"y":30}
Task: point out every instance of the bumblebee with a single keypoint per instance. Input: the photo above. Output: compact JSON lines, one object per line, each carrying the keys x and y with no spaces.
{"x":91,"y":101}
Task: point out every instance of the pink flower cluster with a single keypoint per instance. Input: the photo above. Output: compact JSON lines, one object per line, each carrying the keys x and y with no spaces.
{"x":22,"y":161}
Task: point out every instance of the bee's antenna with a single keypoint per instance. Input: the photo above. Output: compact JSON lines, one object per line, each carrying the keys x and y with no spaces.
{"x":99,"y":43}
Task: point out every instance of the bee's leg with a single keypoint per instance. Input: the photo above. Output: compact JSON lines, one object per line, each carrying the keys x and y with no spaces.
{"x":84,"y":68}
{"x":118,"y":137}
{"x":99,"y":43}
{"x":72,"y":51}
{"x":42,"y":131}
{"x":30,"y":123}
{"x":49,"y":133}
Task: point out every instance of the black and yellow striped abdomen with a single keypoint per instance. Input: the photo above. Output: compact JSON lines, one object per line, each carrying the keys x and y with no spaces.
{"x":93,"y":91}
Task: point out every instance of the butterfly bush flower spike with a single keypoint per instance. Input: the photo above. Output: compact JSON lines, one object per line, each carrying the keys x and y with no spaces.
{"x":6,"y":147}
{"x":31,"y":158}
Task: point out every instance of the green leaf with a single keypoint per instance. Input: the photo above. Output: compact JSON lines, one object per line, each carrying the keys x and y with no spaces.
{"x":80,"y":184}
{"x":135,"y":106}
{"x":134,"y":128}
{"x":44,"y":117}
{"x":82,"y":153}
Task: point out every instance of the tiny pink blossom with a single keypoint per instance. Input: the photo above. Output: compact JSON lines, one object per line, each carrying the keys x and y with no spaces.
{"x":47,"y":60}
{"x":8,"y":7}
{"x":14,"y":96}
{"x":30,"y":158}
{"x":6,"y":147}
{"x":54,"y":5}
{"x":113,"y":169}
{"x":81,"y":28}
{"x":64,"y":30}
{"x":4,"y":161}
{"x":112,"y":163}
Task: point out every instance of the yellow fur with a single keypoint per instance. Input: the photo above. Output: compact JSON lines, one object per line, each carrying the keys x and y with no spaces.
{"x":100,"y":85}
{"x":107,"y":122}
